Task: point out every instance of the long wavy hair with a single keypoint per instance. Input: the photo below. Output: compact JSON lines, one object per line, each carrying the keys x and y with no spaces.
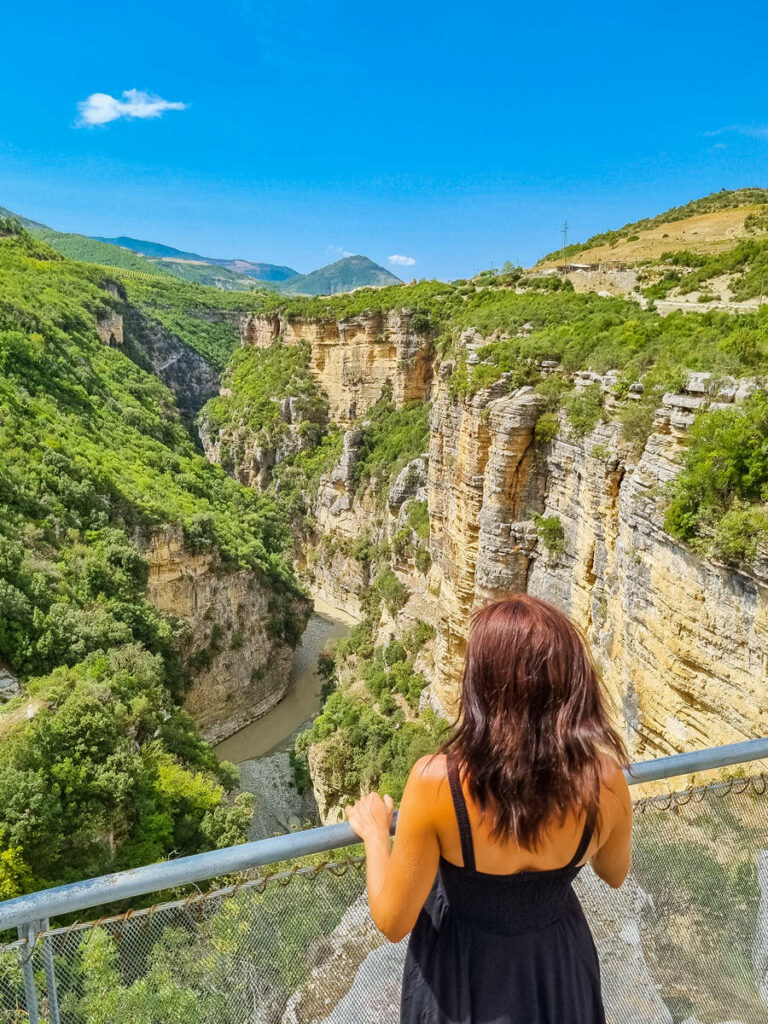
{"x":532,"y":722}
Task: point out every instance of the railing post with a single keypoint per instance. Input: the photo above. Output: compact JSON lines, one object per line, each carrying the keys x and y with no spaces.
{"x":50,"y":975}
{"x":27,"y":934}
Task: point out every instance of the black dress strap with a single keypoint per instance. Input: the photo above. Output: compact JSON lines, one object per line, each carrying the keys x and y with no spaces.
{"x":581,"y":849}
{"x":460,"y":806}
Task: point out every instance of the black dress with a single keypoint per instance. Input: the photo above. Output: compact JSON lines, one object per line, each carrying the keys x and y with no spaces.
{"x":501,"y":949}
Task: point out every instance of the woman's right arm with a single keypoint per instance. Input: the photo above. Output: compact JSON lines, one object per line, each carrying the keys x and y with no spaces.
{"x":614,"y":855}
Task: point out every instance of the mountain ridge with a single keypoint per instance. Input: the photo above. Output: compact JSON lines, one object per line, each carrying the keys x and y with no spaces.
{"x":256,"y":269}
{"x":226,"y":274}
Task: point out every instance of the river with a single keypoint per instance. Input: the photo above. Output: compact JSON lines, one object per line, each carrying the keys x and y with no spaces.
{"x":275,"y":730}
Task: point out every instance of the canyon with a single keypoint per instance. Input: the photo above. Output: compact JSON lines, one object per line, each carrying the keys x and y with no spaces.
{"x":682,"y":641}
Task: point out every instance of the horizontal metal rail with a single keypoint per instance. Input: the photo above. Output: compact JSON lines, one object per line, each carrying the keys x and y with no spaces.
{"x":93,"y":892}
{"x":696,"y":761}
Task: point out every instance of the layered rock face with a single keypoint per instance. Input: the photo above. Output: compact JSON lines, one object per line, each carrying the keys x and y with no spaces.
{"x":353,"y":359}
{"x":163,"y":353}
{"x":682,"y":641}
{"x":483,"y":480}
{"x":239,"y":669}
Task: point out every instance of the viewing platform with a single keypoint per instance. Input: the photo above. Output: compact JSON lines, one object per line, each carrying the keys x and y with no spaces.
{"x":285,"y":937}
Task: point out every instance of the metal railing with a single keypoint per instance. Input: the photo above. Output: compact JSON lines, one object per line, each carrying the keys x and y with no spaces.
{"x":31,"y":913}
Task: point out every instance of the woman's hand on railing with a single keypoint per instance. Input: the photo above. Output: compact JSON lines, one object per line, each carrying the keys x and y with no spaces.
{"x":371,"y":816}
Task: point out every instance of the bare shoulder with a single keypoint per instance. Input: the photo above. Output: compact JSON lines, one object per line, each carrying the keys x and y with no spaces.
{"x":614,"y":791}
{"x":422,"y":797}
{"x":429,"y":771}
{"x":611,"y":772}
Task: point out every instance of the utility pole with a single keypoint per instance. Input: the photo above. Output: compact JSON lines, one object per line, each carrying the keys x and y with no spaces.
{"x":564,"y":230}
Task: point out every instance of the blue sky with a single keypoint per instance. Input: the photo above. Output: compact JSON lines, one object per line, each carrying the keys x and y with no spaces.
{"x":457,"y":135}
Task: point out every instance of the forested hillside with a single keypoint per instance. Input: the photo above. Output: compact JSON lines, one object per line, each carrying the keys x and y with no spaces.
{"x":99,"y":765}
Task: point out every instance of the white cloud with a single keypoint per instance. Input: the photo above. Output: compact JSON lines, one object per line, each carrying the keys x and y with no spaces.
{"x":100,"y":108}
{"x":402,"y":261}
{"x":752,"y":131}
{"x":338,"y":251}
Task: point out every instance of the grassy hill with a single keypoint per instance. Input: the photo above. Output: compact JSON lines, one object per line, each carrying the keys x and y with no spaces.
{"x":80,"y":247}
{"x":343,"y":276}
{"x":711,"y":224}
{"x":155,"y":250}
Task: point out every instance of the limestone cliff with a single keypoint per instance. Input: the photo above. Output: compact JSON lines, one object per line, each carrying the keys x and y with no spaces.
{"x":682,"y":640}
{"x":353,"y":359}
{"x":483,"y":479}
{"x":238,"y":667}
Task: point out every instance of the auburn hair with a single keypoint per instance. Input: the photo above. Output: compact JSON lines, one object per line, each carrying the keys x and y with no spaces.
{"x":532,"y":722}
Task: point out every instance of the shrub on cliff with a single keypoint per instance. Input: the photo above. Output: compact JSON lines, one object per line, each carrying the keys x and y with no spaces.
{"x":585,"y":409}
{"x":369,"y":742}
{"x":386,"y":588}
{"x":391,"y":439}
{"x":724,"y":481}
{"x":547,"y":426}
{"x":550,"y":531}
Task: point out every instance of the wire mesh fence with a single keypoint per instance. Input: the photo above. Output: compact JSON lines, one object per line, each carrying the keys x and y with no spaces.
{"x":684,"y":941}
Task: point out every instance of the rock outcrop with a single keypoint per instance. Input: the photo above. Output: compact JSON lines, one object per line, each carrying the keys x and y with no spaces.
{"x":9,"y":684}
{"x":354,"y":359}
{"x":239,"y":669}
{"x":250,"y":457}
{"x":109,"y":327}
{"x":483,"y":480}
{"x":358,"y":981}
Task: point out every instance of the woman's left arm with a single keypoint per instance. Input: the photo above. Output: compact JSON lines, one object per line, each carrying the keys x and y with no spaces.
{"x":399,"y":876}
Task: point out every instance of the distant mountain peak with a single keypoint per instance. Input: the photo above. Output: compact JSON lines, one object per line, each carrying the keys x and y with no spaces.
{"x":345,"y":275}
